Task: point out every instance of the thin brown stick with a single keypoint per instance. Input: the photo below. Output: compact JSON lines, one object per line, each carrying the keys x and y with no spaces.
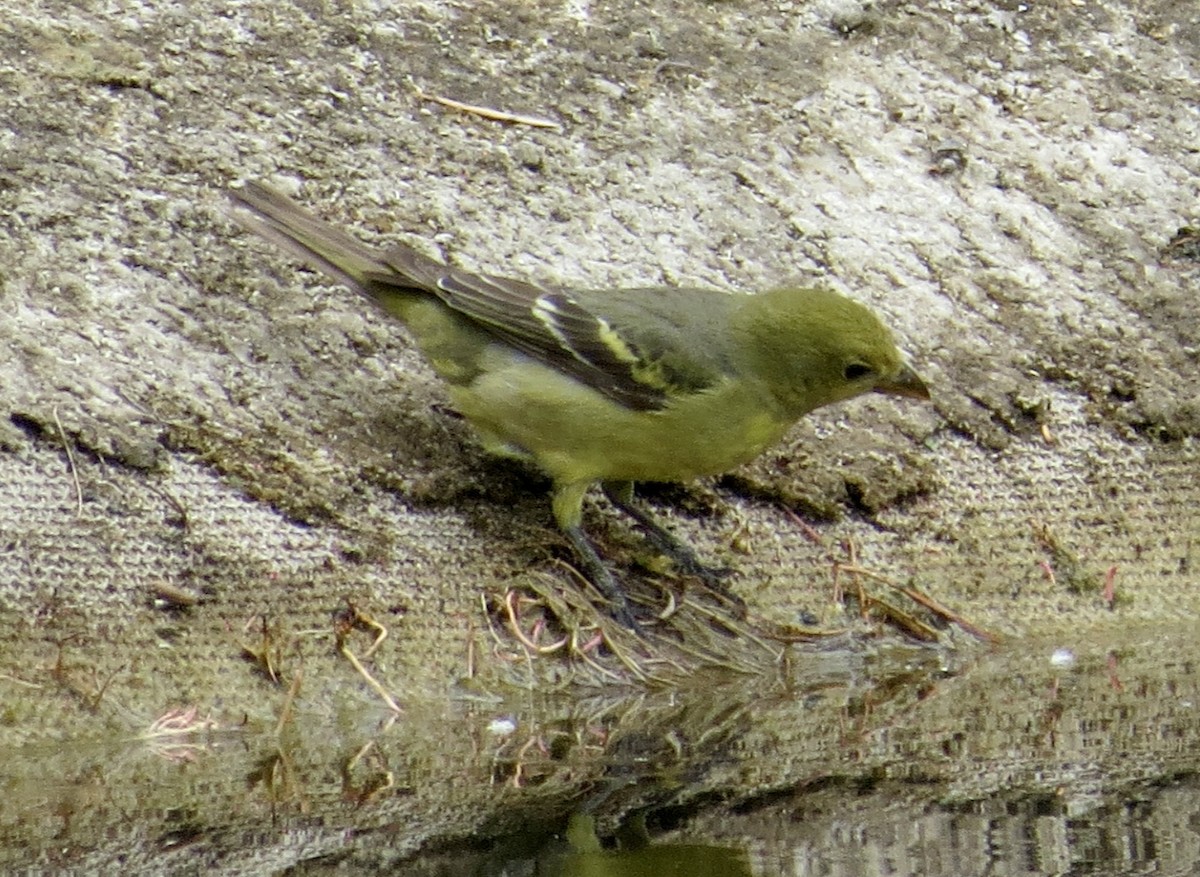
{"x":486,"y":112}
{"x":928,"y":602}
{"x":950,"y":615}
{"x":520,"y":634}
{"x":806,"y":529}
{"x":487,"y":616}
{"x":1109,"y":594}
{"x":285,"y":714}
{"x":902,"y":619}
{"x":62,"y":433}
{"x":20,"y":681}
{"x":471,"y":649}
{"x":371,"y":680}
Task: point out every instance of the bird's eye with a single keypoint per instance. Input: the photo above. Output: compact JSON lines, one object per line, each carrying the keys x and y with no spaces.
{"x":856,"y":371}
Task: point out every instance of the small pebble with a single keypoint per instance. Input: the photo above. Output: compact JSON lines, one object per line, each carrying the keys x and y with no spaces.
{"x":1062,"y":658}
{"x":502,"y":726}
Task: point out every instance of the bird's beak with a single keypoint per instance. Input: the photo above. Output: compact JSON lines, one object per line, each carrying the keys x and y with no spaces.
{"x":905,"y":382}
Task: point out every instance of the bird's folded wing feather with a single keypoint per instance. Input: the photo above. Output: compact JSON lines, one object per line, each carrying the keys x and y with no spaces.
{"x":633,"y":362}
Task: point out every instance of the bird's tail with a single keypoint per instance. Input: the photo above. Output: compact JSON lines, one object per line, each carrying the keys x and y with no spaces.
{"x":280,"y":219}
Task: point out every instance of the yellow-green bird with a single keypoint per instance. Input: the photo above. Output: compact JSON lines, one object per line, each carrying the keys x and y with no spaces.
{"x":610,"y":387}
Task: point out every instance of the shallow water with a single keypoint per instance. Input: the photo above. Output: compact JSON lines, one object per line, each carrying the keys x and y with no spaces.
{"x":1076,"y":755}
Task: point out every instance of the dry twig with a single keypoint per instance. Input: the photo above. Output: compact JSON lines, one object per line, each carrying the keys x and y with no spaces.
{"x":486,"y":112}
{"x":62,"y":434}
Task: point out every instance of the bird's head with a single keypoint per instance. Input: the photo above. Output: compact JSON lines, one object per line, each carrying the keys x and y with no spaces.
{"x":813,"y":347}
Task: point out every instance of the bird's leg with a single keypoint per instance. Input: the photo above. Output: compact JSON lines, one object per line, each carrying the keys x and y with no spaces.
{"x":568,"y":512}
{"x":600,"y":576}
{"x":620,"y":494}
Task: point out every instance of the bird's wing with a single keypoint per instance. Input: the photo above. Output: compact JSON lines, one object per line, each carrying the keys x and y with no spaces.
{"x":633,"y":356}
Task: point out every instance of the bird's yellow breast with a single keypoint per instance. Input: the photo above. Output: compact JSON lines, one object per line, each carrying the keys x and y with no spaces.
{"x":575,"y":434}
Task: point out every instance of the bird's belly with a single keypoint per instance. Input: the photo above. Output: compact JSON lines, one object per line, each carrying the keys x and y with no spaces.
{"x":577,"y":436}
